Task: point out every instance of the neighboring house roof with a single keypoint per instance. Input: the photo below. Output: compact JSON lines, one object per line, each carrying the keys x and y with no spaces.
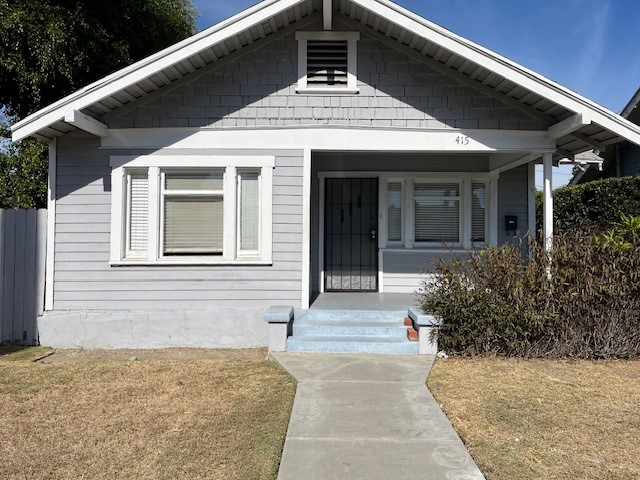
{"x":576,"y":123}
{"x":586,"y":173}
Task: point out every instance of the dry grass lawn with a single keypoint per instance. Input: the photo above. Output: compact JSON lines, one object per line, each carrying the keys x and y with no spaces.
{"x":544,"y":419}
{"x":223,"y":417}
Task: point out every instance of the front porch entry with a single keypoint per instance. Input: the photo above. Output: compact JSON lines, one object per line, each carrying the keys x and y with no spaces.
{"x":351,"y":229}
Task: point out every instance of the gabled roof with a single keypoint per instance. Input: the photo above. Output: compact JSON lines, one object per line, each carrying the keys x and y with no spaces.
{"x":576,"y":123}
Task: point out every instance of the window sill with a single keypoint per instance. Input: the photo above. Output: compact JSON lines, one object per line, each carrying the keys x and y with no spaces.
{"x":197,"y":262}
{"x":324,"y":91}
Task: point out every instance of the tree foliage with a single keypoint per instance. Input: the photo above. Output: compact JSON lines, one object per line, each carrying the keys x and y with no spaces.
{"x":51,"y":48}
{"x":593,"y":206}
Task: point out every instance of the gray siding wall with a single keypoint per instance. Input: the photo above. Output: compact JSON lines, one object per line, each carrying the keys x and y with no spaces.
{"x":513,"y":199}
{"x":259,"y":89}
{"x":85,"y":281}
{"x":630,"y":160}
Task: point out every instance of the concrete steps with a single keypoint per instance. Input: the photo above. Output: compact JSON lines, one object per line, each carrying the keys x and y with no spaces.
{"x":350,"y":331}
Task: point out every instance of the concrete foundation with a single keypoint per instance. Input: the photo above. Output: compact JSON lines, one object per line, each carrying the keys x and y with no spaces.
{"x":153,"y":329}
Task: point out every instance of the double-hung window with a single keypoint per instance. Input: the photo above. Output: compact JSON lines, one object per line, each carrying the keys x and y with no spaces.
{"x":192,"y":212}
{"x":436,"y":212}
{"x":423,"y":212}
{"x":209,"y":210}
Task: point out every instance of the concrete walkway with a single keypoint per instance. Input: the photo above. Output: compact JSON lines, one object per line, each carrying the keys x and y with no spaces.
{"x":368,"y":417}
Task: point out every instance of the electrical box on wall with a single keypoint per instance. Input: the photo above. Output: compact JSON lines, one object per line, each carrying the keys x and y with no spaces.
{"x":511,"y":223}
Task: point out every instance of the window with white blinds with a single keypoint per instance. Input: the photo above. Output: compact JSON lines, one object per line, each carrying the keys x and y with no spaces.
{"x":436,"y":212}
{"x":478,"y":212}
{"x":249,"y":212}
{"x":192,"y":210}
{"x":193,"y":213}
{"x":394,"y":212}
{"x":137,"y":213}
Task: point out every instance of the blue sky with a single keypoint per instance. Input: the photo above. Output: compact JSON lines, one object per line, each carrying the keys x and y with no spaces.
{"x":585,"y":45}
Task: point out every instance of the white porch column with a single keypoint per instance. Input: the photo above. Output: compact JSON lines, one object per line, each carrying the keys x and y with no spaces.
{"x":548,"y":200}
{"x":306,"y":229}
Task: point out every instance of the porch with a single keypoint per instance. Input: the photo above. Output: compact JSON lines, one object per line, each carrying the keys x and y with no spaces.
{"x":364,"y":301}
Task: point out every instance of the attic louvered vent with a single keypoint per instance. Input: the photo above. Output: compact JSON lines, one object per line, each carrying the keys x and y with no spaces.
{"x":327,"y":62}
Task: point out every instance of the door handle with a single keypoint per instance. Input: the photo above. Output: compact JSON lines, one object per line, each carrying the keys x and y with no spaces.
{"x":374,"y":233}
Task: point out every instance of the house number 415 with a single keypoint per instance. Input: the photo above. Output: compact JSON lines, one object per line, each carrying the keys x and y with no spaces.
{"x":462,"y":140}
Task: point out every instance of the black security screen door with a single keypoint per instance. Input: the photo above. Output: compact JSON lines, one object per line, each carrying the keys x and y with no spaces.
{"x":351,"y":235}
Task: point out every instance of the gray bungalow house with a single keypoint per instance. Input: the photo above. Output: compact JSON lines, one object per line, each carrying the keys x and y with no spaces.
{"x":298,"y":148}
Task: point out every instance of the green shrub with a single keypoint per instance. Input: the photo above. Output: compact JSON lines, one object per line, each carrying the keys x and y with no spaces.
{"x":594,"y":205}
{"x":501,"y":302}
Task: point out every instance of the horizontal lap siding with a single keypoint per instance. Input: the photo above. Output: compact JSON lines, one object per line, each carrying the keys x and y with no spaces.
{"x":85,"y":281}
{"x":513,"y":199}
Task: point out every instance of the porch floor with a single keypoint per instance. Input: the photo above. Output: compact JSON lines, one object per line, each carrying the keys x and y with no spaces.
{"x":387,"y":302}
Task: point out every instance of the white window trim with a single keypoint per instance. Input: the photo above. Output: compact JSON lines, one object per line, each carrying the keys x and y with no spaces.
{"x":352,"y":61}
{"x":158,"y":163}
{"x":384,"y":221}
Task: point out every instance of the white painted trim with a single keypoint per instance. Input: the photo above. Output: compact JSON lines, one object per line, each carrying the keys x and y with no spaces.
{"x":466,"y":214}
{"x":382,"y":229}
{"x":86,"y":123}
{"x":352,"y":59}
{"x":409,"y":230}
{"x":191,"y":261}
{"x":399,"y":176}
{"x":117,"y":214}
{"x":547,"y":175}
{"x":500,"y":65}
{"x":327,"y":90}
{"x":328,"y":36}
{"x":380,"y":270}
{"x":332,"y":138}
{"x":531,"y":210}
{"x":191,"y":161}
{"x":51,"y":226}
{"x":321,"y":193}
{"x":327,"y":14}
{"x":155,"y":206}
{"x":230,"y":215}
{"x":266,"y":223}
{"x":149,"y":66}
{"x":306,"y":229}
{"x":568,"y":125}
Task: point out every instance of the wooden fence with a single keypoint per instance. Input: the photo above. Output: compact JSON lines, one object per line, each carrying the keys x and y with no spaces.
{"x":23,"y":242}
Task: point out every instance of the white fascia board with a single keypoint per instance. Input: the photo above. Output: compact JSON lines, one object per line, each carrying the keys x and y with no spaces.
{"x":568,"y":125}
{"x":328,"y":138}
{"x":149,"y":66}
{"x":502,"y":66}
{"x":328,"y":36}
{"x":86,"y":123}
{"x":327,"y":14}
